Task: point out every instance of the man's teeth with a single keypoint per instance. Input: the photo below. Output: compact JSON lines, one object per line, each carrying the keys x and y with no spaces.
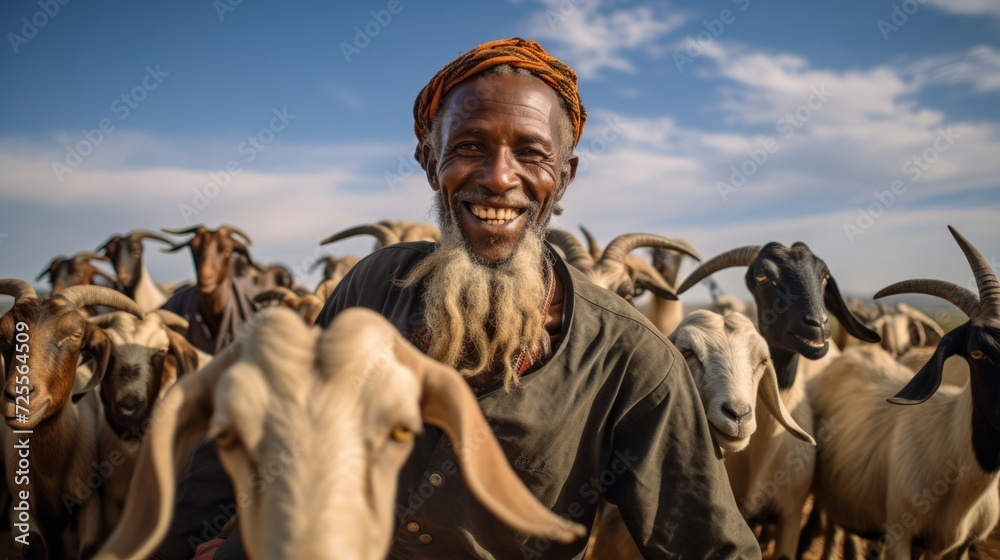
{"x":494,"y":216}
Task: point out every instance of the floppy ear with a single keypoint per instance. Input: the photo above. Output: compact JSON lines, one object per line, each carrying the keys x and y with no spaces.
{"x":97,"y":346}
{"x":183,"y":352}
{"x":448,"y":403}
{"x":835,"y":303}
{"x":181,"y":419}
{"x":768,"y":394}
{"x":926,"y":382}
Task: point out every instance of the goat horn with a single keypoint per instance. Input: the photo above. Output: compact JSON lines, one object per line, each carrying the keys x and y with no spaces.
{"x":78,"y":296}
{"x":742,"y":256}
{"x":961,"y":297}
{"x":48,"y":269}
{"x":575,"y":252}
{"x":592,"y":245}
{"x":229,"y":230}
{"x":104,"y":246}
{"x":141,"y":234}
{"x":315,"y":265}
{"x":90,"y":255}
{"x":920,"y":317}
{"x":172,"y":319}
{"x":986,"y":279}
{"x":183,"y":231}
{"x":19,"y":289}
{"x":625,"y":244}
{"x":384,"y":235}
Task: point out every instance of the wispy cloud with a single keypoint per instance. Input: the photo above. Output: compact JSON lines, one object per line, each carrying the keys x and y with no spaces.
{"x":979,"y":67}
{"x":592,"y":39}
{"x":968,"y":7}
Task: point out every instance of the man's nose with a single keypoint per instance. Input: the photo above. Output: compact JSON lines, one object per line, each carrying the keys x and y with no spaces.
{"x":499,"y":172}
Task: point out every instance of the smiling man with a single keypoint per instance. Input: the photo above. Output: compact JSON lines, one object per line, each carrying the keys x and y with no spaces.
{"x":586,"y":398}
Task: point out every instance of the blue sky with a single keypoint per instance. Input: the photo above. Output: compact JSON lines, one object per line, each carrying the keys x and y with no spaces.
{"x":310,"y":105}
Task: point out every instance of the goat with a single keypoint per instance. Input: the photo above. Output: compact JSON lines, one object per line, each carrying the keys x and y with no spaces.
{"x":902,"y":328}
{"x":664,"y":313}
{"x":733,"y":372}
{"x":339,"y":409}
{"x":147,"y":357}
{"x":890,"y":487}
{"x":218,"y":305}
{"x":125,"y":255}
{"x":77,"y":270}
{"x":790,"y":286}
{"x":42,"y":343}
{"x":388,"y":232}
{"x":334,"y":270}
{"x":308,"y":306}
{"x":615,"y":269}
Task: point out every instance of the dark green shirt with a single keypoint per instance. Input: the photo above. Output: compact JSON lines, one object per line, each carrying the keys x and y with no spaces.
{"x":613,"y":413}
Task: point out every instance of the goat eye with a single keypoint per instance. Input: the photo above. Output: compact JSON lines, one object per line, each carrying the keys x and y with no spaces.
{"x":761,"y":277}
{"x":402,"y":433}
{"x":976,"y":354}
{"x":226,"y":438}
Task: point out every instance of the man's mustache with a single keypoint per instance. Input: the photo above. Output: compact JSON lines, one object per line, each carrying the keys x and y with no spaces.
{"x":482,"y":195}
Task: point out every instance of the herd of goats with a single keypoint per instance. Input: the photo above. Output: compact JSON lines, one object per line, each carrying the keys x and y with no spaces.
{"x":881,"y":433}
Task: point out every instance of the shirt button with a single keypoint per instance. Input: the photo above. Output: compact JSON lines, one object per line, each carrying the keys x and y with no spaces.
{"x":413,"y":526}
{"x":436,"y":479}
{"x":425,"y":538}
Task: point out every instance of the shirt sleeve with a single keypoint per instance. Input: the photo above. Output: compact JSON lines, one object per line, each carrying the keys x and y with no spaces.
{"x":671,"y":484}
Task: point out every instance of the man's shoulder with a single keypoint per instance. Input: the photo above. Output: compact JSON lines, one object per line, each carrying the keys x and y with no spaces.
{"x":393,"y":259}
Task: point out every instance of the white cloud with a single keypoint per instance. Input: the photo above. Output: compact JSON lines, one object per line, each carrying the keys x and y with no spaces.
{"x":968,"y":7}
{"x":979,"y":67}
{"x":591,"y":39}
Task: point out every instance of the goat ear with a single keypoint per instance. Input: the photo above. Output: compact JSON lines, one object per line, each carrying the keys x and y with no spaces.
{"x":769,"y":394}
{"x":97,"y":345}
{"x":183,"y":352}
{"x":448,"y":403}
{"x":181,"y":420}
{"x":927,"y":381}
{"x":835,"y":303}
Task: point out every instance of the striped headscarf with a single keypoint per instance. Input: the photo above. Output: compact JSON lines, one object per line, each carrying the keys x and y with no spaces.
{"x":516,"y":52}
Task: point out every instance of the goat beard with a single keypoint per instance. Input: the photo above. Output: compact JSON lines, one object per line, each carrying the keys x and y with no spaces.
{"x":483,"y":316}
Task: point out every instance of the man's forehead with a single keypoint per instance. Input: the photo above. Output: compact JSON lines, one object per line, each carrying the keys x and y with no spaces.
{"x":509,"y":89}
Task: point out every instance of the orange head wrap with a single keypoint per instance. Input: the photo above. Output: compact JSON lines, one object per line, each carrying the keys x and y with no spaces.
{"x":516,"y":52}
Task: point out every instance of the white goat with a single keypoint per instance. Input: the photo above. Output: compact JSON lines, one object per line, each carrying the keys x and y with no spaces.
{"x":338,"y":409}
{"x":916,"y":476}
{"x":731,"y":366}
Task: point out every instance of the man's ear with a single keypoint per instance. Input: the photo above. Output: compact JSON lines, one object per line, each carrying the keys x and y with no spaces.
{"x":429,"y":163}
{"x":568,"y":173}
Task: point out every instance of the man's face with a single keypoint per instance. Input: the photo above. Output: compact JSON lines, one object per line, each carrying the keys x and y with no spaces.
{"x":498,"y":170}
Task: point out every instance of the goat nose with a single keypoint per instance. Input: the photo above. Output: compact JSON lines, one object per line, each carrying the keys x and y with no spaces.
{"x":130,"y":404}
{"x":736,"y":411}
{"x":815,"y":319}
{"x":11,"y":397}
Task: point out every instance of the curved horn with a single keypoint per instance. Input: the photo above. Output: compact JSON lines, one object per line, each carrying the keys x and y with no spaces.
{"x":315,"y":265}
{"x":625,"y":244}
{"x":384,"y":235}
{"x":961,"y":297}
{"x":78,"y":296}
{"x":51,"y":266}
{"x":104,"y":246}
{"x":19,"y":289}
{"x":183,"y":231}
{"x":575,"y":252}
{"x":986,"y":279}
{"x":226,"y":229}
{"x":919,"y":316}
{"x":172,"y":319}
{"x":742,"y":256}
{"x":90,"y":255}
{"x":592,"y":245}
{"x":140,"y":234}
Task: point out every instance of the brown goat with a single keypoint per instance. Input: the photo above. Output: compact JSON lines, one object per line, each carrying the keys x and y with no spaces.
{"x":218,"y":304}
{"x":46,"y":391}
{"x":125,"y":255}
{"x":77,"y":270}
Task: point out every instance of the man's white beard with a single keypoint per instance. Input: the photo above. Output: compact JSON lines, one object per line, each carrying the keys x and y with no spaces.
{"x":483,"y":317}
